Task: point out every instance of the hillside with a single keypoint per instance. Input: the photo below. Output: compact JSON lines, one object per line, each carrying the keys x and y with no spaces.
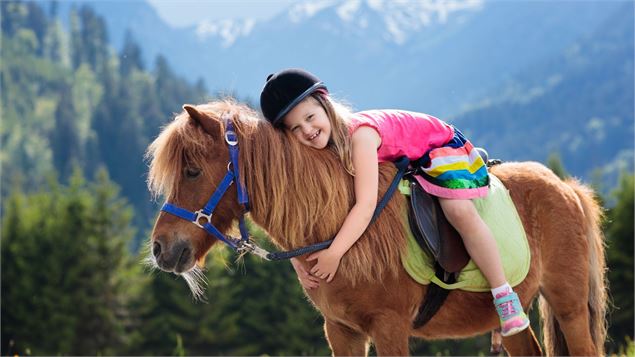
{"x":578,"y":104}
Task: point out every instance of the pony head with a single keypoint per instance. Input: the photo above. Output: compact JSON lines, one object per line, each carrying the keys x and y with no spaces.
{"x":187,"y":162}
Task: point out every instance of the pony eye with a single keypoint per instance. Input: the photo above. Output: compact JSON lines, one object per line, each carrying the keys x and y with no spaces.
{"x":192,"y":172}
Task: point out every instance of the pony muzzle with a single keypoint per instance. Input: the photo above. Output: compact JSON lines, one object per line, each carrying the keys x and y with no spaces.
{"x":177,"y":256}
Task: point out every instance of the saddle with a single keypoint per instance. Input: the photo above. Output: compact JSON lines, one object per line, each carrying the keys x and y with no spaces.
{"x":432,"y":231}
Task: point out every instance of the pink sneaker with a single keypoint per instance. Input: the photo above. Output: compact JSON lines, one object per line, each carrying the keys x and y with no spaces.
{"x":511,"y":314}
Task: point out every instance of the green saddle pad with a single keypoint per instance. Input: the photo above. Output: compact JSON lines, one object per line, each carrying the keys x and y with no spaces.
{"x":499,"y":213}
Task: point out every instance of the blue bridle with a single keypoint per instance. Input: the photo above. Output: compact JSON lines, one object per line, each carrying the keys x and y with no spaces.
{"x":203,"y":217}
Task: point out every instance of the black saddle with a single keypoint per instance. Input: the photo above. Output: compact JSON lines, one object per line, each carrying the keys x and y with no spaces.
{"x":432,"y":231}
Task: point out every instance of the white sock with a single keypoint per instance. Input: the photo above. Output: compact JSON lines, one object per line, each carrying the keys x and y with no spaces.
{"x":505,"y":288}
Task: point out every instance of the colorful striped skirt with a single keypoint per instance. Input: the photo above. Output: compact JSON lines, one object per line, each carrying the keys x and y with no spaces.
{"x":455,"y":170}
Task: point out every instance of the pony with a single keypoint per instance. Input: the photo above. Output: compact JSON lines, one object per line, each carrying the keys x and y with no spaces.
{"x":301,"y":196}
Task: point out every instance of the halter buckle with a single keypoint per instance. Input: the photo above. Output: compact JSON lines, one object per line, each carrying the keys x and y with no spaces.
{"x":200,"y":214}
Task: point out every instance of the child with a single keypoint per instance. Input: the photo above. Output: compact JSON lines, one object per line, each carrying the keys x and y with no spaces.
{"x":297,"y":101}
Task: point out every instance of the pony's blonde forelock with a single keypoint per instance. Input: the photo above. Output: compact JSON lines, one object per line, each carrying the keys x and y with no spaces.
{"x":300,"y":195}
{"x":182,"y":144}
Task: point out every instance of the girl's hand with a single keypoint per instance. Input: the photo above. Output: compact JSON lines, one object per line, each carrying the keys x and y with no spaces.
{"x":306,"y":280}
{"x":327,"y":262}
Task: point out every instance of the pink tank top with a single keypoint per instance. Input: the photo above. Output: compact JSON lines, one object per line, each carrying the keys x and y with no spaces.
{"x":403,"y":133}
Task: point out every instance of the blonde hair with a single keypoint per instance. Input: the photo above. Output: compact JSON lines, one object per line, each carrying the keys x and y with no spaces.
{"x":339,"y":116}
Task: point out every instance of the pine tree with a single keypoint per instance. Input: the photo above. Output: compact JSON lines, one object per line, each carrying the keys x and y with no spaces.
{"x":166,"y":311}
{"x":38,"y":23}
{"x":76,"y":44}
{"x":130,"y":56}
{"x":64,"y":141}
{"x":619,"y":234}
{"x":94,"y":38}
{"x":63,"y":258}
{"x":555,"y":164}
{"x":13,"y":16}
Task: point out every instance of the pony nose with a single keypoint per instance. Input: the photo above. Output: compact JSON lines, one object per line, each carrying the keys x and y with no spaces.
{"x":172,"y":255}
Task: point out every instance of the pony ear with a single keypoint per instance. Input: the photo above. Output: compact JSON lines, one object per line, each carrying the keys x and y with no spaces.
{"x":209,"y":124}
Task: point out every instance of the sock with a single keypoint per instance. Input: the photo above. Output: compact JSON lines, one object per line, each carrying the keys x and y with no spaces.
{"x":502,"y":290}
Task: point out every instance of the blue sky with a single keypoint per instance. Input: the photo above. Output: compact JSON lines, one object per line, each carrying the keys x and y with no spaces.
{"x":190,"y":12}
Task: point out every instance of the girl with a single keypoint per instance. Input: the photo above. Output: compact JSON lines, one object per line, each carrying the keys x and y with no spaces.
{"x":297,"y":101}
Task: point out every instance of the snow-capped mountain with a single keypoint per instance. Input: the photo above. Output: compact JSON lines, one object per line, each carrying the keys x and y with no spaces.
{"x":395,"y":20}
{"x":228,"y":31}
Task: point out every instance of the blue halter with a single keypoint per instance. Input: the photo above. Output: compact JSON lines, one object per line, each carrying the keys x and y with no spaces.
{"x":203,"y":217}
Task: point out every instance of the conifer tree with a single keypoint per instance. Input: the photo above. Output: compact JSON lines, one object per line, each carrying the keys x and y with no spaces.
{"x":37,"y":22}
{"x":63,"y":257}
{"x":555,"y":164}
{"x":130,"y":56}
{"x":76,"y":45}
{"x":64,"y":141}
{"x":619,"y":235}
{"x":165,"y":312}
{"x":94,"y":38}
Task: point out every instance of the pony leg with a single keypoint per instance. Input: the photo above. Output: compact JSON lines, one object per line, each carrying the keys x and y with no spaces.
{"x":571,"y":319}
{"x":390,"y":335}
{"x":345,"y":341}
{"x":523,"y":343}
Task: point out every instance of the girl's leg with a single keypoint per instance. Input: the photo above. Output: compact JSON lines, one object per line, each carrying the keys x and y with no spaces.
{"x":477,"y":237}
{"x":481,"y":245}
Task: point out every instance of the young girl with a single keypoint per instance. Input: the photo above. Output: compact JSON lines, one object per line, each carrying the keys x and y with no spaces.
{"x":297,"y":101}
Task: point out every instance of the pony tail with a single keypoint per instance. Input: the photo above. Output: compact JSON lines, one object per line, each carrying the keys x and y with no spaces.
{"x":338,"y":114}
{"x":598,"y":283}
{"x":554,"y":339}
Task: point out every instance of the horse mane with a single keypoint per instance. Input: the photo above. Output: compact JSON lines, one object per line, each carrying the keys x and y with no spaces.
{"x":298,"y":194}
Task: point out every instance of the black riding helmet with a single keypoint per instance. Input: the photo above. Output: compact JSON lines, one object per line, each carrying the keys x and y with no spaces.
{"x":284,"y":90}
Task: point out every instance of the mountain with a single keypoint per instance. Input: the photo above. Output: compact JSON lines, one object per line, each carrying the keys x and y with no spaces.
{"x":578,"y":104}
{"x":437,"y":57}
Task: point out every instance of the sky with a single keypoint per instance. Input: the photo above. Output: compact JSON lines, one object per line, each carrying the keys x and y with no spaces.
{"x":190,"y":12}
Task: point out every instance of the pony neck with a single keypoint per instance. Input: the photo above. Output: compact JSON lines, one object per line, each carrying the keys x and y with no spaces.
{"x":299,"y":195}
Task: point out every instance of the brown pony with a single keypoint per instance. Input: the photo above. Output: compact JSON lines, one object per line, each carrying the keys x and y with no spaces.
{"x":301,"y":196}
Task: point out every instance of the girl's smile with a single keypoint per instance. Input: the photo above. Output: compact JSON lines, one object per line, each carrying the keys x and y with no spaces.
{"x":309,"y":123}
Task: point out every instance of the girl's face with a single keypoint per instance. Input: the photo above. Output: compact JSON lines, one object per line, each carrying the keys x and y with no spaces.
{"x":309,"y":123}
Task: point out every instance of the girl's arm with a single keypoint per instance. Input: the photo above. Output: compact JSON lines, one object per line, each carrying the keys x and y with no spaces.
{"x":365,"y":142}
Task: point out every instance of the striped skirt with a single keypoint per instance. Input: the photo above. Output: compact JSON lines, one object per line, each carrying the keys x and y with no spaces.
{"x":455,"y":170}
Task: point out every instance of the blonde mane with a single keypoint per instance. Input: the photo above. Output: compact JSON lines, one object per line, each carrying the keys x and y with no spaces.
{"x":299,"y":195}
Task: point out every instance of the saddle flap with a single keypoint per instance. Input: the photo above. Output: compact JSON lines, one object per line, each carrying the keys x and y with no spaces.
{"x":438,"y":236}
{"x":423,"y":220}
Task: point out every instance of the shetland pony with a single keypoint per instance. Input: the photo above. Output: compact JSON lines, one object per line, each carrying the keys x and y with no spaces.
{"x":301,"y":196}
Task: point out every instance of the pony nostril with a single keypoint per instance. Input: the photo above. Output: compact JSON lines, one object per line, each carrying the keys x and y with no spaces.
{"x":156,"y":249}
{"x":185,"y":256}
